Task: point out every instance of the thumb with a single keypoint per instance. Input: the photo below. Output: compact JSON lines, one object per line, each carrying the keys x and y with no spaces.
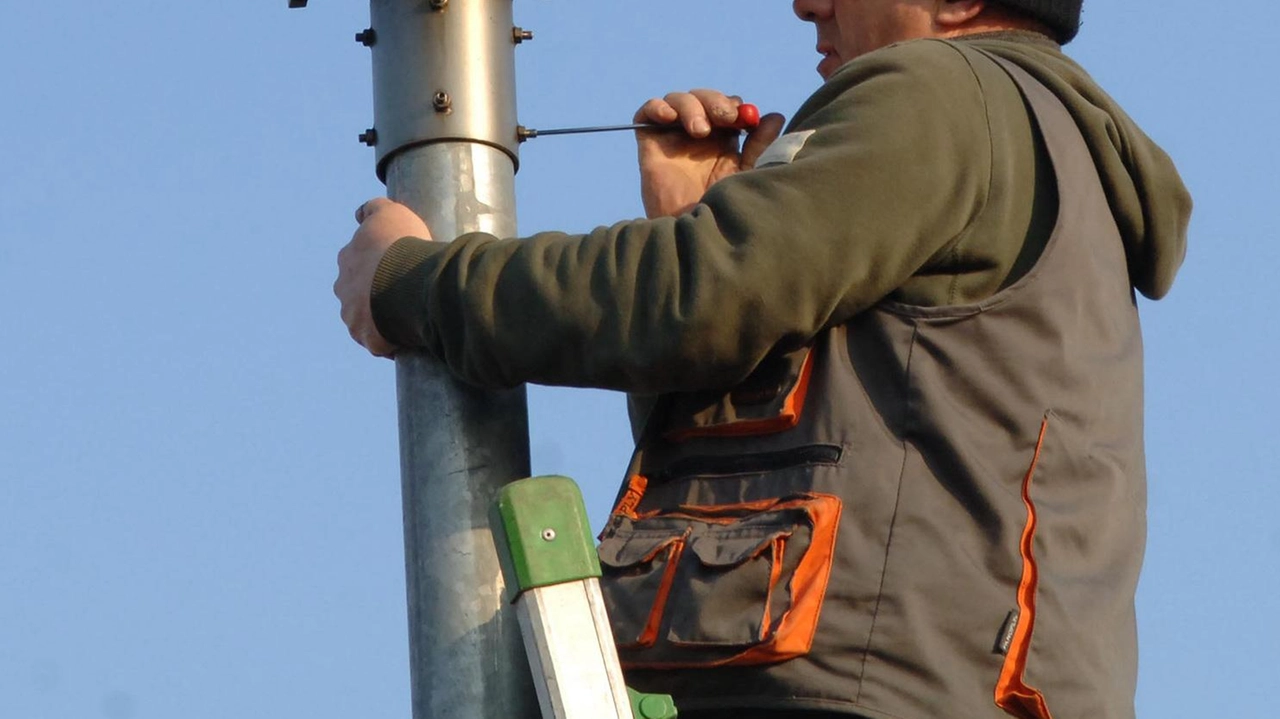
{"x":368,"y":208}
{"x":766,"y":132}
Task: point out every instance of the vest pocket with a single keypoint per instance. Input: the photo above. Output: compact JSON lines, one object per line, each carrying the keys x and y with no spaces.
{"x":736,"y":571}
{"x":719,"y":585}
{"x":769,"y":400}
{"x":641,"y":564}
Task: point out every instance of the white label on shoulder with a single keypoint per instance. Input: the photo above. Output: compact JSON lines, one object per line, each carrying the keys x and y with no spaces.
{"x":784,"y":149}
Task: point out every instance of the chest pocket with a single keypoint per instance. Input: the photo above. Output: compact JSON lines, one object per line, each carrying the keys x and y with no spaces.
{"x":719,"y":585}
{"x":770,"y":400}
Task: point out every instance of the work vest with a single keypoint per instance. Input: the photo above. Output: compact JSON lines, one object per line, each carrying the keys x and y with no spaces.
{"x":926,"y":513}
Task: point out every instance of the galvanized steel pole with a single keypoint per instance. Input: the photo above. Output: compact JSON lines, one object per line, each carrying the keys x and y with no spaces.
{"x":446,"y":141}
{"x":445,"y":123}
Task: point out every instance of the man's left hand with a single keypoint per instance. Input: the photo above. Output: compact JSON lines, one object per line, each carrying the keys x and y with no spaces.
{"x":382,"y":222}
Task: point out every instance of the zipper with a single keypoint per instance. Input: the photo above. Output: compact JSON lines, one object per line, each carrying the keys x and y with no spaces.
{"x":753,"y":463}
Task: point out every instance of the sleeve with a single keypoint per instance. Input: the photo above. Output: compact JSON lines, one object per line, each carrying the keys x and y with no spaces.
{"x":896,"y":166}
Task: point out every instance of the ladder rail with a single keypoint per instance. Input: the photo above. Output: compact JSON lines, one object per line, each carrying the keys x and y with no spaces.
{"x":552,"y":575}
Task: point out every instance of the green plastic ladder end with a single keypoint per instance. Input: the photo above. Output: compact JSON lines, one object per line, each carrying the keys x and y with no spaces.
{"x":542,"y":533}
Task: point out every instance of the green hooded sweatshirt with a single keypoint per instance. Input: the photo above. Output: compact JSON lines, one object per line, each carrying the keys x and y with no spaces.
{"x":920,"y":180}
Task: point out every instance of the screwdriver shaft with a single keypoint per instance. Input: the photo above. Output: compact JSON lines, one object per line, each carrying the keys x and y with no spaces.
{"x":748,"y":117}
{"x":602,"y":128}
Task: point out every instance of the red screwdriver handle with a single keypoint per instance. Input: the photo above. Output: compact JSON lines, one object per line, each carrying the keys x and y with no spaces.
{"x":748,"y":117}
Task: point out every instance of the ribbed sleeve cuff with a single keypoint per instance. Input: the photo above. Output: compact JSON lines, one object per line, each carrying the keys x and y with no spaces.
{"x":399,"y":293}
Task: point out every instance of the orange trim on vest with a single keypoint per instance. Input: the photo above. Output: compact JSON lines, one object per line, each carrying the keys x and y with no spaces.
{"x":797,"y":626}
{"x":636,"y":487}
{"x":775,"y":574}
{"x":650,"y":634}
{"x":787,"y":418}
{"x":1012,"y":692}
{"x":720,"y":513}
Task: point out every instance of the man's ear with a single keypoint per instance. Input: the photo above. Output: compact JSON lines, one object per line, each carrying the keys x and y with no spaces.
{"x":954,"y":14}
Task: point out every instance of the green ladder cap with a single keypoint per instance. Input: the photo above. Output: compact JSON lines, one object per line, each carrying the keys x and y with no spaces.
{"x":543,"y":535}
{"x":652,"y":706}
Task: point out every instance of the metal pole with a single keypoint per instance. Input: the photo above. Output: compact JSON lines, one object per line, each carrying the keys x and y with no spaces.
{"x":445,"y":133}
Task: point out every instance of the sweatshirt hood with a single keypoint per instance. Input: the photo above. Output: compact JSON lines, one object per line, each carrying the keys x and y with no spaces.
{"x":1150,"y":203}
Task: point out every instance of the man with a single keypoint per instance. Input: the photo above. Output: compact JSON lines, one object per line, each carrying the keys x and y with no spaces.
{"x":885,"y":369}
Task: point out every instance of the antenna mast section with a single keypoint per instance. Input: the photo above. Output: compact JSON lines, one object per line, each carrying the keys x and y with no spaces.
{"x":446,"y":144}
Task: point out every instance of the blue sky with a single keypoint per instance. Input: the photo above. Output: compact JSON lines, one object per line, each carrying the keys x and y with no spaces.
{"x":199,"y":494}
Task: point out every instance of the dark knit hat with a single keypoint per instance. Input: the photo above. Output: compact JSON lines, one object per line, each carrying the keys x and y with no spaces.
{"x":1062,"y":16}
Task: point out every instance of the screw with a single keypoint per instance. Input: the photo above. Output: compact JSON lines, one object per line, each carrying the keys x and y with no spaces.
{"x":442,"y":102}
{"x":439,"y":4}
{"x":369,"y":137}
{"x":519,"y":34}
{"x":548,"y":535}
{"x":523,"y":133}
{"x":367,"y":37}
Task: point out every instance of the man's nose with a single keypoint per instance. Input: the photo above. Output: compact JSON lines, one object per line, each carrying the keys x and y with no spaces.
{"x":811,"y":10}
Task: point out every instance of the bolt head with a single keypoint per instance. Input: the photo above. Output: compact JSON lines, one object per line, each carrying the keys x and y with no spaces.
{"x":548,"y":535}
{"x":369,"y":137}
{"x":656,"y":706}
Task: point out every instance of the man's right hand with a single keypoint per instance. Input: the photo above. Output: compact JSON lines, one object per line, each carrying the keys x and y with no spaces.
{"x":677,"y":167}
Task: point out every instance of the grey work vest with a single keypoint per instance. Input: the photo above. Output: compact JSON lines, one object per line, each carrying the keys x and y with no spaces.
{"x":931,"y":512}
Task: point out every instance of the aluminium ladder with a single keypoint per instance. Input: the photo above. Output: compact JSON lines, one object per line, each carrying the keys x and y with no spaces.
{"x":552,"y":575}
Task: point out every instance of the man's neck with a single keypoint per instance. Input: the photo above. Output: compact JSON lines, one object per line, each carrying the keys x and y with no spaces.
{"x":1031,"y":36}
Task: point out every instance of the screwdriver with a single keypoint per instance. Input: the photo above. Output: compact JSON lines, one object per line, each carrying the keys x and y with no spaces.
{"x":748,"y":118}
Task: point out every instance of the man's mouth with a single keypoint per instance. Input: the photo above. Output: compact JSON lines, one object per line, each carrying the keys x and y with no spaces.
{"x":830,"y":61}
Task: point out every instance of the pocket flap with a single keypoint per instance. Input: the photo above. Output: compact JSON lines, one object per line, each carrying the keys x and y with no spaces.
{"x":730,"y":547}
{"x":629,"y":547}
{"x":752,"y":595}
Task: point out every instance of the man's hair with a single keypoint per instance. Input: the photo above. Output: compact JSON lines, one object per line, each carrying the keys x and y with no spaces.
{"x":1062,"y":17}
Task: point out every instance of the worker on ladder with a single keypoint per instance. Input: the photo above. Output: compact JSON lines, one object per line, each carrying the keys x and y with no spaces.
{"x":885,"y":369}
